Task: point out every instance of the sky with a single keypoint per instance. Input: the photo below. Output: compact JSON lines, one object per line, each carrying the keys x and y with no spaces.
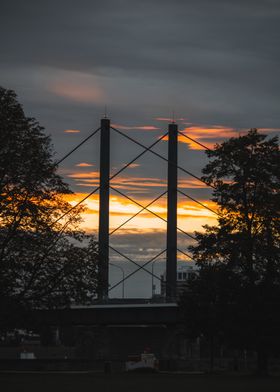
{"x":214,"y":64}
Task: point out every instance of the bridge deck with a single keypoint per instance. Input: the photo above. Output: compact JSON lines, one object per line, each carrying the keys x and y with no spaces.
{"x":111,"y":314}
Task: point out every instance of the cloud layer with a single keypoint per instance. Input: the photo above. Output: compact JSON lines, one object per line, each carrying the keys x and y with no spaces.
{"x":213,"y":66}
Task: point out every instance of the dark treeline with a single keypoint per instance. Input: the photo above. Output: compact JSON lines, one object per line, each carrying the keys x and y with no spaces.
{"x":44,"y":262}
{"x":235,"y":298}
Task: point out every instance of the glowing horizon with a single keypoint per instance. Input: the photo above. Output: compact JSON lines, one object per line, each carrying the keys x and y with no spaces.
{"x":190,"y":214}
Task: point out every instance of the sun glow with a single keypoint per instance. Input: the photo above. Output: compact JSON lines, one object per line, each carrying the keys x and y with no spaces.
{"x":131,"y":183}
{"x":208,"y":135}
{"x":191,"y":216}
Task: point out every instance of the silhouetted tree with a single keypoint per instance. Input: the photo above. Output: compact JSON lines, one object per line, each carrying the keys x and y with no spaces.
{"x":43,"y":260}
{"x":244,"y":247}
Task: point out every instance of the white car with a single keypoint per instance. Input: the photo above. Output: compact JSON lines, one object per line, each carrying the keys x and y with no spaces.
{"x":143,"y":361}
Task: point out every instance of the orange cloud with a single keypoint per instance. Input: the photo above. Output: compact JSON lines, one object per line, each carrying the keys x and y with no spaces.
{"x":191,"y":216}
{"x":212,"y":134}
{"x":133,"y":165}
{"x":77,"y":86}
{"x":72,"y":131}
{"x":208,"y":135}
{"x":84,"y":164}
{"x":191,"y":183}
{"x":90,"y":175}
{"x":140,"y":127}
{"x":133,"y":183}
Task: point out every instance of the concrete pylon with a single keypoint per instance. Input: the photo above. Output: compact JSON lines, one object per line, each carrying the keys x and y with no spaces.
{"x":172,"y":179}
{"x":104,"y":195}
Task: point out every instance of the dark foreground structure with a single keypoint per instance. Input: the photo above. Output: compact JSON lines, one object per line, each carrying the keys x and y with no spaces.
{"x":88,"y":338}
{"x":111,"y":331}
{"x":136,"y":382}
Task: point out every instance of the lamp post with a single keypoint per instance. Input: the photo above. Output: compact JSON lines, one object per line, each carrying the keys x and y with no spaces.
{"x":122,"y":270}
{"x":153,"y":285}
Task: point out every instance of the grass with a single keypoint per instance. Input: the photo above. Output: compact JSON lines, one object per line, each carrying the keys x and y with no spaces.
{"x":95,"y":382}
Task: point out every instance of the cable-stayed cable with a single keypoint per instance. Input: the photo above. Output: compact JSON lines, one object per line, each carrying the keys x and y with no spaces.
{"x":195,"y":141}
{"x":137,"y":213}
{"x":184,"y":253}
{"x":75,"y":206}
{"x":138,"y":269}
{"x":112,"y":177}
{"x":139,"y":155}
{"x":160,"y":156}
{"x":198,"y":202}
{"x":132,"y":261}
{"x":151,"y":212}
{"x":78,"y":146}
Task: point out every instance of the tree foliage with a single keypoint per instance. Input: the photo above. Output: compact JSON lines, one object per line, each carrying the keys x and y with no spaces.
{"x":239,"y":258}
{"x":30,"y":188}
{"x":43,"y":259}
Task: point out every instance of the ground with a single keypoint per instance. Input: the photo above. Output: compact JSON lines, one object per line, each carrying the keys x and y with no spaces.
{"x":84,"y":382}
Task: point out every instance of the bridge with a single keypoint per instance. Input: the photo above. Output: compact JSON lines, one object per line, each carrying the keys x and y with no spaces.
{"x":113,"y":330}
{"x":104,"y":188}
{"x":113,"y":314}
{"x":129,"y":323}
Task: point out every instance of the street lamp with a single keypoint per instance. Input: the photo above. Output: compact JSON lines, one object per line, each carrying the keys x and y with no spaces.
{"x":122,"y":270}
{"x":153,"y":285}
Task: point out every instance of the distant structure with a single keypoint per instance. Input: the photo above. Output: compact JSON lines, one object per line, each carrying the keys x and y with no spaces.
{"x":106,"y":185}
{"x":184,"y":274}
{"x":104,"y":208}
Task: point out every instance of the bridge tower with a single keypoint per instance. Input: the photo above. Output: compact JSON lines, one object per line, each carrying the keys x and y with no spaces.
{"x":171,"y":249}
{"x":104,"y":194}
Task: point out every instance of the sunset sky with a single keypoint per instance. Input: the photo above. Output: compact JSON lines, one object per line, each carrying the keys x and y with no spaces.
{"x":215,"y":64}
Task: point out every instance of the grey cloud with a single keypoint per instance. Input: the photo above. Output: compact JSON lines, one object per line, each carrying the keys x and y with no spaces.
{"x":219,"y":56}
{"x":215,"y":62}
{"x":123,"y":33}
